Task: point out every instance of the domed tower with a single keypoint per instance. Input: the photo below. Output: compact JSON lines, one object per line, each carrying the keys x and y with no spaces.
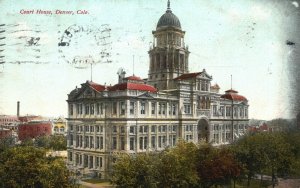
{"x":168,"y":56}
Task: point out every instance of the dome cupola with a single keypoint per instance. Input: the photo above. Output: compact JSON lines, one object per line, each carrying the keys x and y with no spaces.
{"x":168,"y":19}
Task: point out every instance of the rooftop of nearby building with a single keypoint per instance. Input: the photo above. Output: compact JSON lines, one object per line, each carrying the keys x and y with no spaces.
{"x":233,"y":95}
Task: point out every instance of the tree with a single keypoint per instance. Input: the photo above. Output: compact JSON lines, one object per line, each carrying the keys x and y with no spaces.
{"x":216,"y":166}
{"x":176,"y":167}
{"x":135,"y":170}
{"x":58,"y":142}
{"x":264,"y":153}
{"x":28,"y":166}
{"x":6,"y":143}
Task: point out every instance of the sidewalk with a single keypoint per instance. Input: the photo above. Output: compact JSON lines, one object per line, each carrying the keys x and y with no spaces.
{"x":91,"y":185}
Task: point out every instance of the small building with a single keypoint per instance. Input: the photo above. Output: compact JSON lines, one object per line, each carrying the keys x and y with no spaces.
{"x":59,"y":126}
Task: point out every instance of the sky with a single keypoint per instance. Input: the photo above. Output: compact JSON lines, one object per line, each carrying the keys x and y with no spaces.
{"x":47,"y":55}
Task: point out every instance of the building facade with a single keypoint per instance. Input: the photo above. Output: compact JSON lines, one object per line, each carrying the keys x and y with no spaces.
{"x":34,"y":129}
{"x":148,"y":115}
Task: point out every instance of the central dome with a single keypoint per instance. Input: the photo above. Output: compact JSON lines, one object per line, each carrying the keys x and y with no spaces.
{"x":168,"y":19}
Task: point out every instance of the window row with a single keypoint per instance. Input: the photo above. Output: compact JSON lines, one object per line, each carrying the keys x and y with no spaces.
{"x":98,"y":108}
{"x":87,"y":161}
{"x":87,"y":141}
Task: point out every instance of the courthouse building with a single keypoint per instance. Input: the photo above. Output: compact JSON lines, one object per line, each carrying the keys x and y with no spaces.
{"x":148,"y":115}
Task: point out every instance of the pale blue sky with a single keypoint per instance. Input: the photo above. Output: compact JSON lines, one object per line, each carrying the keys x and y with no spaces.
{"x":245,"y":38}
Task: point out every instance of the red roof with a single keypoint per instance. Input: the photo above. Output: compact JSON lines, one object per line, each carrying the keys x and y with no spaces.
{"x":132,"y":86}
{"x":187,"y":76}
{"x":231,"y":91}
{"x":234,"y":96}
{"x":134,"y":78}
{"x":96,"y":86}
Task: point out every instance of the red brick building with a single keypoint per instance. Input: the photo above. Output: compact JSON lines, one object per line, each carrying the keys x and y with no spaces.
{"x":34,"y":129}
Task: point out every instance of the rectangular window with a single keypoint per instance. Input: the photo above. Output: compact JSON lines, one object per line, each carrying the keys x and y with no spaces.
{"x":235,"y":110}
{"x":97,"y":142}
{"x":114,"y":129}
{"x":163,"y":108}
{"x":174,"y":109}
{"x":92,"y":109}
{"x":86,"y":144}
{"x":143,"y":106}
{"x":101,"y":142}
{"x":122,"y":129}
{"x":97,"y":108}
{"x":141,"y":143}
{"x":114,"y":108}
{"x":77,"y":140}
{"x":76,"y":159}
{"x":222,"y":110}
{"x":80,"y":141}
{"x":122,"y":108}
{"x":153,"y":140}
{"x":91,"y":142}
{"x":215,"y":110}
{"x":174,"y":128}
{"x":159,"y":108}
{"x":97,"y":129}
{"x":145,"y":128}
{"x":91,"y":162}
{"x":132,"y":104}
{"x":92,"y":128}
{"x":87,"y":109}
{"x":71,"y":109}
{"x":131,"y":129}
{"x":101,"y":108}
{"x":71,"y":139}
{"x":131,"y":143}
{"x":153,"y":108}
{"x":97,"y":162}
{"x":228,"y":111}
{"x":141,"y":129}
{"x":187,"y":108}
{"x":85,"y":162}
{"x":159,"y":141}
{"x":122,"y":140}
{"x":145,"y":142}
{"x":153,"y":128}
{"x":114,"y":146}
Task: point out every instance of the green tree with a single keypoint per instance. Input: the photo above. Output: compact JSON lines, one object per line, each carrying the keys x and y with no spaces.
{"x":134,"y":170}
{"x":28,"y":166}
{"x":42,"y":141}
{"x":6,"y":143}
{"x":58,"y":142}
{"x":264,"y":153}
{"x":176,"y":166}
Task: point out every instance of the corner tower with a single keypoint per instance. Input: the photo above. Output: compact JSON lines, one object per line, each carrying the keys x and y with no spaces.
{"x":168,"y":55}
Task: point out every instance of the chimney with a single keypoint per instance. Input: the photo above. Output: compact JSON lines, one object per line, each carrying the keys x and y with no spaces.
{"x":18,"y":108}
